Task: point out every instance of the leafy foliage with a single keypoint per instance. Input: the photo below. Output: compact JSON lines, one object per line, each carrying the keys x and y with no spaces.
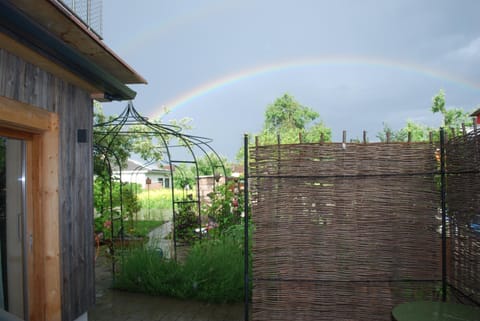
{"x":213,"y":270}
{"x":226,"y":206}
{"x":453,"y":119}
{"x":156,"y":199}
{"x":287,"y":113}
{"x":186,"y":220}
{"x":110,"y":147}
{"x":418,"y":133}
{"x":210,"y":164}
{"x":207,"y":165}
{"x":184,"y":176}
{"x":123,"y":197}
{"x":288,"y":118}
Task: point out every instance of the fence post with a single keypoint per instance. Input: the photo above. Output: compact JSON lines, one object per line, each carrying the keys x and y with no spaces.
{"x":444,"y":214}
{"x":245,"y":210}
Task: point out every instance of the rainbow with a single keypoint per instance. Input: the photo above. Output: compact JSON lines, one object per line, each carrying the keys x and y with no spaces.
{"x":281,"y":66}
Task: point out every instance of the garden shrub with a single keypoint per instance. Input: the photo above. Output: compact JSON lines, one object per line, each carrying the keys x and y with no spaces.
{"x":226,"y":206}
{"x":186,"y":220}
{"x":213,"y":270}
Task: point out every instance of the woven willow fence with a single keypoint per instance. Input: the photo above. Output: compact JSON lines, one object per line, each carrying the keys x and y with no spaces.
{"x":463,"y":203}
{"x":345,"y":231}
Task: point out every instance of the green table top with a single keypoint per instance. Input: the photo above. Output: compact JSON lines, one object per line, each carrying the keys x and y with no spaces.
{"x":435,"y":311}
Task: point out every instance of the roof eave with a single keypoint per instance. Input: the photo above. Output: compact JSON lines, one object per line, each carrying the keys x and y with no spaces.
{"x":26,"y":31}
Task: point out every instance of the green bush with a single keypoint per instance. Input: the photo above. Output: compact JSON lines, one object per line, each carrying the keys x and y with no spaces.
{"x":186,"y":220}
{"x":213,"y":270}
{"x":226,"y":206}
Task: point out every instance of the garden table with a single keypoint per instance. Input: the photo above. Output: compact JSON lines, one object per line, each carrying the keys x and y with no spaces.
{"x":435,"y":311}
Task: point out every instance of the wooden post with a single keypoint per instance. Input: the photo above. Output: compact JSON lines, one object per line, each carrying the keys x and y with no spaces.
{"x":322,"y":138}
{"x":256,"y":141}
{"x":300,"y":137}
{"x":388,"y":137}
{"x":344,"y":138}
{"x":50,"y":202}
{"x":409,"y":137}
{"x":364,"y":136}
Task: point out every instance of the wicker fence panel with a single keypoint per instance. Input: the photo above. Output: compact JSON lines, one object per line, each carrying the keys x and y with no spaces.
{"x":463,"y":202}
{"x":343,"y":232}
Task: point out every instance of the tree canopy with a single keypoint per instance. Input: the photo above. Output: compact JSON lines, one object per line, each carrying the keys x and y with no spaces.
{"x":288,"y":118}
{"x":208,"y":164}
{"x":453,"y":118}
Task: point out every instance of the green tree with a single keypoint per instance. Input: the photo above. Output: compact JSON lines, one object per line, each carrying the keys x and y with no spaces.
{"x":288,"y":119}
{"x":286,"y":113}
{"x":184,"y":176}
{"x":418,"y":133}
{"x":210,"y":164}
{"x":454,"y":117}
{"x":108,"y":145}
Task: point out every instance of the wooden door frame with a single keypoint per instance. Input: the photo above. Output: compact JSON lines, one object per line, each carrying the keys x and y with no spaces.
{"x":40,"y":130}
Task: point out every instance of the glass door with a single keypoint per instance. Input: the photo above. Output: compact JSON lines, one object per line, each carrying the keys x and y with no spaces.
{"x":12,"y":227}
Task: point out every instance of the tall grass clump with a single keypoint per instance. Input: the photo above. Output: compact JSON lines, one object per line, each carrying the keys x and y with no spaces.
{"x":158,"y":198}
{"x":213,"y":271}
{"x":155,"y":203}
{"x":144,"y":270}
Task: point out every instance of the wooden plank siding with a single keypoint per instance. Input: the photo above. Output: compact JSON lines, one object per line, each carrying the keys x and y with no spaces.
{"x":29,"y":84}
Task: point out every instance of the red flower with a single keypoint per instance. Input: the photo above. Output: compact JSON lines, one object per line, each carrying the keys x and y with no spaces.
{"x":107,"y":224}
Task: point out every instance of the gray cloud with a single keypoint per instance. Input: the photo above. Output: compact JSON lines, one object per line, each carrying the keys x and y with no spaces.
{"x":182,"y":45}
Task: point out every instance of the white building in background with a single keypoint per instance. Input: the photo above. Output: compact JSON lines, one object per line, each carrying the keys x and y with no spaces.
{"x":137,"y":172}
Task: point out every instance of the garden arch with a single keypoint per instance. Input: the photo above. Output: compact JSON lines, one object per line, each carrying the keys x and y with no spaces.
{"x":168,"y":146}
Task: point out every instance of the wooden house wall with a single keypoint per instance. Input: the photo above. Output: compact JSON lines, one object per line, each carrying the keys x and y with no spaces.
{"x":22,"y":81}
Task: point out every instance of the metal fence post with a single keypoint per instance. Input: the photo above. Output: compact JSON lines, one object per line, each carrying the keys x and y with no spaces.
{"x":444,"y":214}
{"x":245,"y":210}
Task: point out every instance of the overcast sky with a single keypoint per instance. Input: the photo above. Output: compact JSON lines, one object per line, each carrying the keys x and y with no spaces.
{"x":358,"y":63}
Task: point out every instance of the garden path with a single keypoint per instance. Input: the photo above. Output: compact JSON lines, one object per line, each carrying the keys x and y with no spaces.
{"x":157,"y":238}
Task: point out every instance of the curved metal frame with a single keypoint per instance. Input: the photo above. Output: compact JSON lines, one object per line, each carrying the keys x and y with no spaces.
{"x":168,"y":137}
